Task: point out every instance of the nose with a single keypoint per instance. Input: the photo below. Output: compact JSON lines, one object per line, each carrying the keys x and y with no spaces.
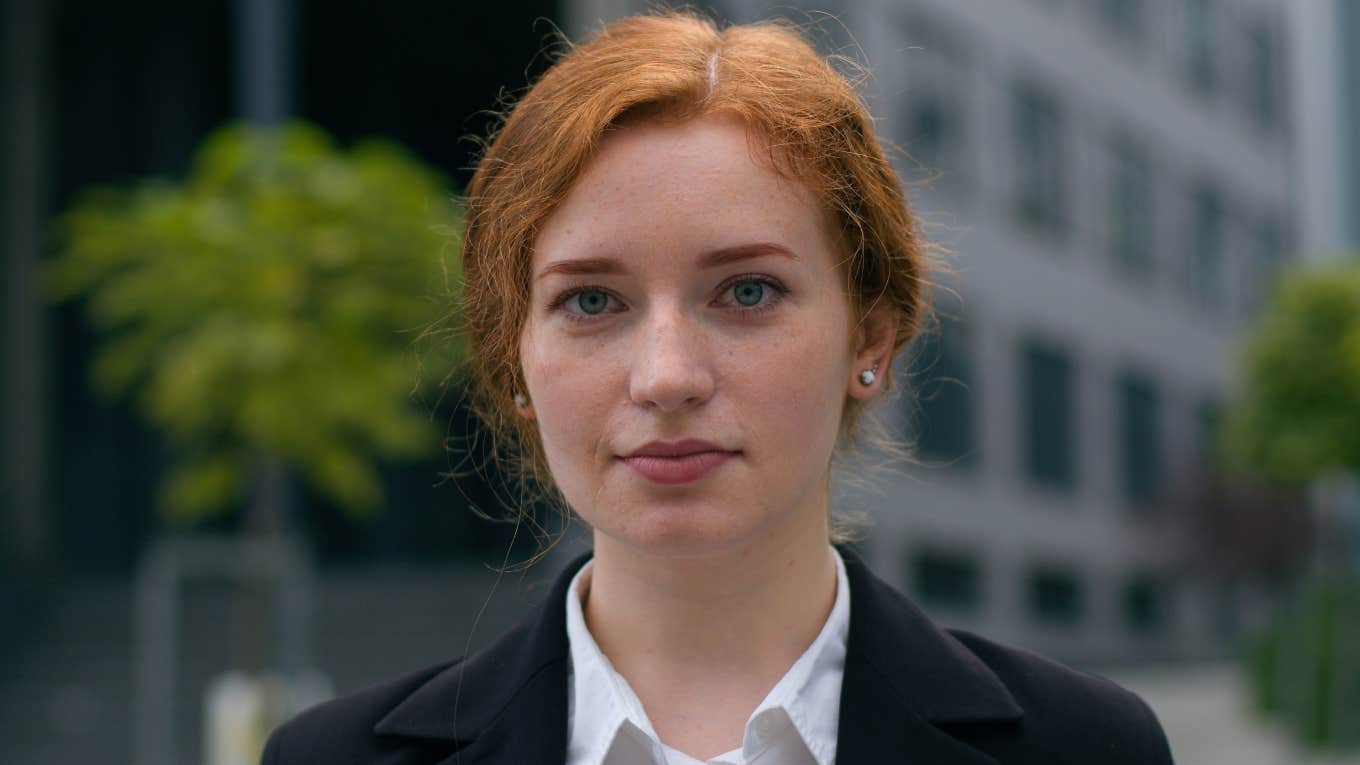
{"x":671,"y":369}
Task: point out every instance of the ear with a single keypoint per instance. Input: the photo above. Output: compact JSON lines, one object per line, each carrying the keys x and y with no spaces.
{"x":873,"y":345}
{"x":525,"y":409}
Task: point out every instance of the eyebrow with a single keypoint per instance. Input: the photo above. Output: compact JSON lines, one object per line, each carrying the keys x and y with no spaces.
{"x":711,"y":259}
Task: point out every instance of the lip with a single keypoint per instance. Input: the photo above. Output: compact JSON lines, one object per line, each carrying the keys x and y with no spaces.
{"x":677,"y":462}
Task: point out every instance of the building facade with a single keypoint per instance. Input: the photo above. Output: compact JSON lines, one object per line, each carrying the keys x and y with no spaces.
{"x":1327,"y":98}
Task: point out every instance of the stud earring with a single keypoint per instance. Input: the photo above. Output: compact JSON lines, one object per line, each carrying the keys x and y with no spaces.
{"x":520,"y":400}
{"x":867,"y":376}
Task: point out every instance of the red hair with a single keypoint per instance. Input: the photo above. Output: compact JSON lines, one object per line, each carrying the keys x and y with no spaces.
{"x":676,"y":66}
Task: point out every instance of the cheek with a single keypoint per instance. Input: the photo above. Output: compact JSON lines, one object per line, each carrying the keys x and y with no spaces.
{"x":568,"y":386}
{"x":798,"y":386}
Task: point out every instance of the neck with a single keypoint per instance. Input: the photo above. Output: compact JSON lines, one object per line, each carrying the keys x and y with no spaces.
{"x":741,"y":616}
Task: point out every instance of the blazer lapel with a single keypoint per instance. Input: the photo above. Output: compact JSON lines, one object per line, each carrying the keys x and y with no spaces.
{"x":505,"y":704}
{"x":904,"y":677}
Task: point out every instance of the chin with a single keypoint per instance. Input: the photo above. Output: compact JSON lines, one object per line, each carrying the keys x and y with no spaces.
{"x":679,"y":547}
{"x":682,"y":530}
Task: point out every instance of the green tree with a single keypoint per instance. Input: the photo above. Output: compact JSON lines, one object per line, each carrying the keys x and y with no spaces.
{"x":1297,"y":422}
{"x":262,"y":312}
{"x":1299,"y":413}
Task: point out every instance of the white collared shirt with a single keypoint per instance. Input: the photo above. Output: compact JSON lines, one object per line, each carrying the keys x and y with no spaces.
{"x":795,"y":725}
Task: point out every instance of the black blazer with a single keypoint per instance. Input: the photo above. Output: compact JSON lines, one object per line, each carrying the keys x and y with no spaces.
{"x":911,"y":693}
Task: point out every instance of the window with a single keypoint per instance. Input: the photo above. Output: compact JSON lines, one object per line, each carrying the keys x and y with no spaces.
{"x":1263,"y":75}
{"x":1039,"y":185}
{"x":1209,"y":415}
{"x":1054,"y":596}
{"x":945,"y":578}
{"x":1130,"y":201}
{"x":1048,"y":418}
{"x":1140,"y":439}
{"x":1124,"y":19}
{"x":1200,"y":46}
{"x":1144,"y":605}
{"x":934,"y":137}
{"x":942,"y":407}
{"x":1206,"y":248}
{"x":934,"y":115}
{"x":1270,"y":259}
{"x":929,"y":127}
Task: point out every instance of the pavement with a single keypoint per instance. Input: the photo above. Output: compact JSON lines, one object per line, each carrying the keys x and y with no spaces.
{"x":1204,"y":711}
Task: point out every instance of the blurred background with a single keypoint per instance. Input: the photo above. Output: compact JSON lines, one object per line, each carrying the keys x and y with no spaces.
{"x":236,"y":479}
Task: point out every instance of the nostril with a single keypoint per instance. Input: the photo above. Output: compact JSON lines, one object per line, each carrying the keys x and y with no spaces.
{"x":673,"y":393}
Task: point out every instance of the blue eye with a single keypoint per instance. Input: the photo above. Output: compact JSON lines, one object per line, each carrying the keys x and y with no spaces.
{"x":754,"y":293}
{"x":748,"y":293}
{"x":591,"y":302}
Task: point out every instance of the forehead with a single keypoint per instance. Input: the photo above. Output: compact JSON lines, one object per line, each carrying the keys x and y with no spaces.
{"x":680,"y":188}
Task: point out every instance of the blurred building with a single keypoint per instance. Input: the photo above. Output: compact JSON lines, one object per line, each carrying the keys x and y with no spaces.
{"x":1119,"y":181}
{"x":1327,"y":87}
{"x":1119,"y":184}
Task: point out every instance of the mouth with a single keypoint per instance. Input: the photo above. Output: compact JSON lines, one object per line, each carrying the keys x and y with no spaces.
{"x":677,"y":462}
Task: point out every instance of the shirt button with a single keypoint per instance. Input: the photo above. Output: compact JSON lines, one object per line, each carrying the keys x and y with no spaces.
{"x":764,"y":726}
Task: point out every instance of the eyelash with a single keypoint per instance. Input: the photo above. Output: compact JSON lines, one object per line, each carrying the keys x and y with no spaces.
{"x":779,"y":293}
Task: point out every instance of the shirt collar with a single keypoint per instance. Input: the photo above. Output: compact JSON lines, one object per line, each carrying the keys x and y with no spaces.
{"x":603,"y":707}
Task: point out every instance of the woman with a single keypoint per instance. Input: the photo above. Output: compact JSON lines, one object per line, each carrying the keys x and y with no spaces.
{"x":688,"y":269}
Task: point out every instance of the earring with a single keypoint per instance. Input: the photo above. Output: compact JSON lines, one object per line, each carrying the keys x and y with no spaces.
{"x":520,"y":400}
{"x":867,"y":376}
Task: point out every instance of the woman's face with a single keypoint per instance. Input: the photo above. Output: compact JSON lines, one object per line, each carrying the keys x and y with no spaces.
{"x":683,"y":291}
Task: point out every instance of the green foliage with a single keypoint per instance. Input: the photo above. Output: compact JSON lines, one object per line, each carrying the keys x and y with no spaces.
{"x":1305,"y":667}
{"x":1299,"y":416}
{"x":267,"y":306}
